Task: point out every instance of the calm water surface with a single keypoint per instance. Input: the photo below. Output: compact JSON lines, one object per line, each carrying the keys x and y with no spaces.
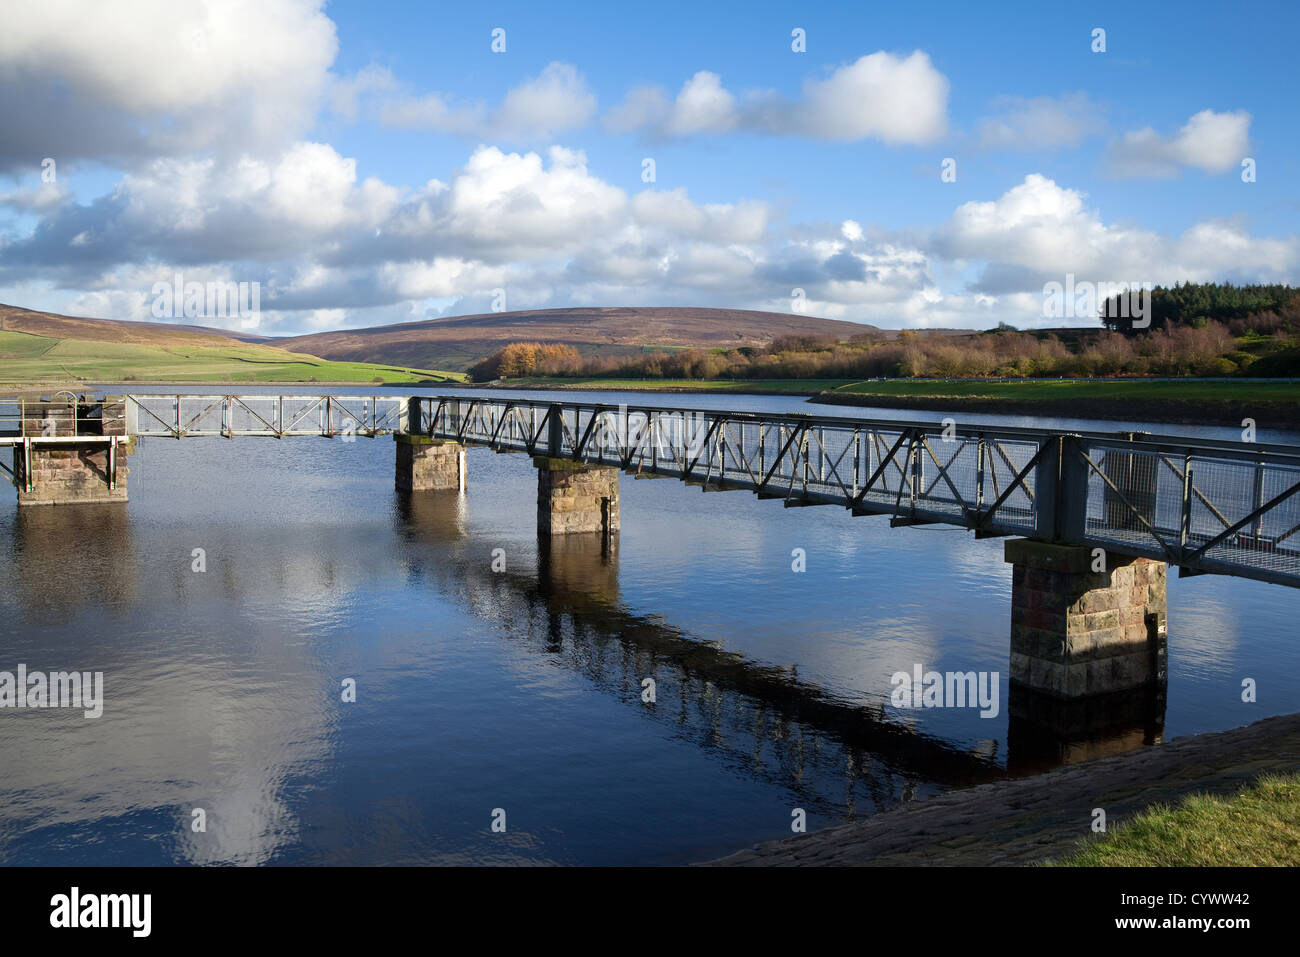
{"x":522,"y":690}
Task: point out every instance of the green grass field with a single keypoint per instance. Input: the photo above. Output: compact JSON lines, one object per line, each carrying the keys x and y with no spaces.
{"x":1035,"y":390}
{"x":1025,"y":390}
{"x":29,"y":360}
{"x":1258,"y":826}
{"x":760,"y":386}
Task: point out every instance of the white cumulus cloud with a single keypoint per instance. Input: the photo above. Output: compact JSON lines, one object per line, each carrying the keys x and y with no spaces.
{"x":84,"y":80}
{"x":895,"y":99}
{"x":555,"y":100}
{"x":1209,"y":141}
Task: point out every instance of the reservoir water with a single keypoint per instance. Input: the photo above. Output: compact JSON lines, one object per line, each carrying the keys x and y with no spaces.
{"x":481,"y":690}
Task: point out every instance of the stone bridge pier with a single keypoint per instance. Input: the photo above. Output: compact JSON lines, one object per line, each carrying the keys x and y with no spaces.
{"x":425,"y":464}
{"x":74,"y":452}
{"x":574,"y":498}
{"x":1078,"y":633}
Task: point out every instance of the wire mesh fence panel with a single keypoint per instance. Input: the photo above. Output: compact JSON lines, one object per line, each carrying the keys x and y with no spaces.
{"x":231,"y":415}
{"x":1258,"y":514}
{"x":1123,"y":494}
{"x":11,"y":417}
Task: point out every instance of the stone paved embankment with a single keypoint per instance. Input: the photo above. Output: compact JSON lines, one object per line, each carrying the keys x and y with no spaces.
{"x":1025,"y":820}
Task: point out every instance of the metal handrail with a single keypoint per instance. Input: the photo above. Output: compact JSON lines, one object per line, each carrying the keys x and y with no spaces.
{"x":1207,"y":505}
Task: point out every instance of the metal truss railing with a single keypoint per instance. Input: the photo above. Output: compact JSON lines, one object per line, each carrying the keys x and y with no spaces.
{"x":19,"y":474}
{"x":916,"y":473}
{"x":1207,"y":506}
{"x":1204,"y":505}
{"x":1233,"y":511}
{"x":63,"y":415}
{"x":227,"y":416}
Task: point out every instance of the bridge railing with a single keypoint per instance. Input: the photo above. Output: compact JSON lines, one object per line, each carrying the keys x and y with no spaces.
{"x":1207,"y":510}
{"x":176,"y":416}
{"x":1205,"y":505}
{"x":915,"y":472}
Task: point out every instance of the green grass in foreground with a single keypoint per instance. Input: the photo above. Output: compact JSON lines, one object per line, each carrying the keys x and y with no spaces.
{"x":1258,"y":826}
{"x":36,"y":359}
{"x":1034,"y":390}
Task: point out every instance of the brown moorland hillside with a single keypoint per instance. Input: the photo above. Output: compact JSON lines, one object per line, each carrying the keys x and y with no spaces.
{"x":467,"y":339}
{"x":55,"y":326}
{"x":456,"y":342}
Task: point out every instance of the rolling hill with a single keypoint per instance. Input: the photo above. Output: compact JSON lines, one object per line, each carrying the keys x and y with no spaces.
{"x":457,"y":342}
{"x":41,"y":347}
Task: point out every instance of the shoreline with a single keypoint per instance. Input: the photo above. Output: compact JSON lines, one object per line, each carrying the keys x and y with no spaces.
{"x":1267,"y":413}
{"x":1025,"y":821}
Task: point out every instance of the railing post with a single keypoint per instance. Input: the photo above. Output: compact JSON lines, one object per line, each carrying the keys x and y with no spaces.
{"x":131,"y":414}
{"x":857,"y":460}
{"x":1257,"y":501}
{"x":912,"y":463}
{"x":555,"y":430}
{"x":870,"y":463}
{"x":1072,"y":491}
{"x":918,"y":469}
{"x":1047,"y":491}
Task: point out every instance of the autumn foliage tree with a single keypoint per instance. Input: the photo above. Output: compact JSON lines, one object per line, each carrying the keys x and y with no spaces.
{"x":528,"y":358}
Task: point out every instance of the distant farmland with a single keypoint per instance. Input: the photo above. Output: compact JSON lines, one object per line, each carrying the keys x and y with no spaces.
{"x":39,"y":348}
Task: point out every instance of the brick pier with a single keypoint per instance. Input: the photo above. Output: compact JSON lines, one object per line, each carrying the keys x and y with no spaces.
{"x":75,"y":453}
{"x":573,"y":497}
{"x":1076,"y":632}
{"x":71,"y":475}
{"x":425,"y":464}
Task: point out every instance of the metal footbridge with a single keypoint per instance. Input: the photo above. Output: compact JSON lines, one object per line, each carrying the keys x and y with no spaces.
{"x":1207,"y":506}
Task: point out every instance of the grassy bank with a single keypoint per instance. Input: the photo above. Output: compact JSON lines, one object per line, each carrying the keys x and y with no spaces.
{"x":1259,"y":826}
{"x":1183,"y":401}
{"x":1030,"y":391}
{"x":39,"y":360}
{"x":747,"y":386}
{"x":1019,"y":391}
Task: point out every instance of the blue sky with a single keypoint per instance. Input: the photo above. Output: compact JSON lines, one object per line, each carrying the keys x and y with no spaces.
{"x":378,"y":162}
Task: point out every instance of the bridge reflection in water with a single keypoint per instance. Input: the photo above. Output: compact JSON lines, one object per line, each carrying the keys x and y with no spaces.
{"x":47,"y":541}
{"x":843,"y":756}
{"x":839,"y":754}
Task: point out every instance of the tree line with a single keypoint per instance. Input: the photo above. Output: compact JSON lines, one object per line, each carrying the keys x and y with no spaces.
{"x":1214,"y":333}
{"x":1239,"y":307}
